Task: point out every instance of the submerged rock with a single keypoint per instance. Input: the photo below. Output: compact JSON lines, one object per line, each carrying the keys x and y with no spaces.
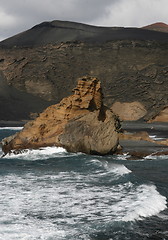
{"x":79,"y":123}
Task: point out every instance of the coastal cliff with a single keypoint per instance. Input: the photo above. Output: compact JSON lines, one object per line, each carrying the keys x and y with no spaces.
{"x":79,"y":123}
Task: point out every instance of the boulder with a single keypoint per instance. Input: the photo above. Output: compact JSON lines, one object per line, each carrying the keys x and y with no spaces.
{"x":129,"y":111}
{"x":79,"y":123}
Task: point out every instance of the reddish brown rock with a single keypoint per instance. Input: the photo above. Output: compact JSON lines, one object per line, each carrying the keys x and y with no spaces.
{"x":79,"y":123}
{"x":159,"y":26}
{"x":129,"y":111}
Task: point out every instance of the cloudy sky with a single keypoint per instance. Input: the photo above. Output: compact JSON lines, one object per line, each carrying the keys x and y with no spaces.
{"x":19,"y":15}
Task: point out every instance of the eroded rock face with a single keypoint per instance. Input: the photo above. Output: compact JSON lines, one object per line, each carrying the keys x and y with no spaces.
{"x":129,"y":111}
{"x":79,"y":123}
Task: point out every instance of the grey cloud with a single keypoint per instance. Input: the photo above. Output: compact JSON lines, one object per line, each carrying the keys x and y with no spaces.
{"x":135,"y":13}
{"x":27,"y":13}
{"x":19,"y":15}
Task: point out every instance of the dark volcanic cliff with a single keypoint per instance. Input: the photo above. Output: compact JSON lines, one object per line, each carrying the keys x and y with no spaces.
{"x":16,"y":104}
{"x":45,"y":61}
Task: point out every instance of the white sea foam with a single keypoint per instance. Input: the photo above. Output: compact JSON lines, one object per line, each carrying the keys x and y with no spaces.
{"x":118,"y":169}
{"x":98,"y":162}
{"x":154,"y":137}
{"x":67,"y":204}
{"x":124,"y":156}
{"x":155,"y":157}
{"x":36,"y":154}
{"x":163,"y":216}
{"x":11,"y":128}
{"x":148,"y":202}
{"x":1,"y":153}
{"x":53,"y":206}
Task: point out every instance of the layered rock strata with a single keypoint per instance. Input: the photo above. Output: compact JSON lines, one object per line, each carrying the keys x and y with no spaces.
{"x":79,"y":123}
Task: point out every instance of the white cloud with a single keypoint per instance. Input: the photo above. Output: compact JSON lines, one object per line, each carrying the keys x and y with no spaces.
{"x":32,"y":12}
{"x":6,"y":20}
{"x":135,"y":13}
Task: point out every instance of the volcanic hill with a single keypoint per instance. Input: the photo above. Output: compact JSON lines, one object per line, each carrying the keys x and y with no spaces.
{"x":40,"y":66}
{"x":159,"y":26}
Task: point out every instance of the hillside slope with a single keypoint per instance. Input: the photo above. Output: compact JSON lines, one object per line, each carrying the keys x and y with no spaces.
{"x":160,"y":27}
{"x":56,"y":32}
{"x":45,"y":61}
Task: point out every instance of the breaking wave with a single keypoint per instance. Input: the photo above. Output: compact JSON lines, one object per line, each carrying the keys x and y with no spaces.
{"x":67,"y":204}
{"x":11,"y":128}
{"x":37,"y":154}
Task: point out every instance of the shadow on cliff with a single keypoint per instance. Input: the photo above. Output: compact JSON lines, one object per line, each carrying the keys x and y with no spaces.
{"x":17,"y":105}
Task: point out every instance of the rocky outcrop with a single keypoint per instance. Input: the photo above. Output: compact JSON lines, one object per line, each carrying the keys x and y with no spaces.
{"x":141,"y":136}
{"x":139,"y":144}
{"x":137,"y":136}
{"x":162,"y":116}
{"x":129,"y":111}
{"x":79,"y":123}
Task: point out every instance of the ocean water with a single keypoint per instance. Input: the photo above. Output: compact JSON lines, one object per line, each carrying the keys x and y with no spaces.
{"x":50,"y":194}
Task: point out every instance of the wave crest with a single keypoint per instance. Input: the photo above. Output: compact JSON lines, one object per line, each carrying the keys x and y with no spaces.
{"x":36,"y":154}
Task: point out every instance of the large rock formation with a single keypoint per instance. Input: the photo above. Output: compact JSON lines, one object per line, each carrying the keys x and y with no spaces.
{"x":79,"y":123}
{"x":131,"y":63}
{"x":129,"y":111}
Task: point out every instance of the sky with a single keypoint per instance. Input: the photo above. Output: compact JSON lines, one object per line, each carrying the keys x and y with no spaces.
{"x":19,"y":15}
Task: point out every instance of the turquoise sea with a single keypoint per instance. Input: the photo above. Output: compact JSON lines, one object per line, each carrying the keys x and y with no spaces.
{"x":50,"y":194}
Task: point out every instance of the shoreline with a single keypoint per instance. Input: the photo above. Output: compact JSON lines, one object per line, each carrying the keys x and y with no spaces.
{"x":140,"y":148}
{"x":4,"y":123}
{"x":134,"y":125}
{"x":135,"y":148}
